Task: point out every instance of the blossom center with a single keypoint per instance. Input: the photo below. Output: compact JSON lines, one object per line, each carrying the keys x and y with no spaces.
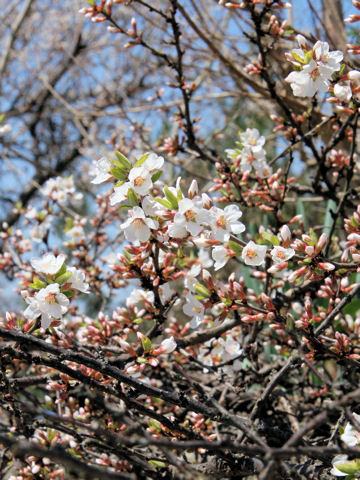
{"x":251,"y":253}
{"x":197,"y":309}
{"x":51,"y":298}
{"x":190,"y":215}
{"x":315,"y":74}
{"x":138,"y":181}
{"x":137,"y":222}
{"x":221,"y":222}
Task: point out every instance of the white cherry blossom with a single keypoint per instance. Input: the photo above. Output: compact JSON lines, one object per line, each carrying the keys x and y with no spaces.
{"x":189,"y":218}
{"x":225,"y":221}
{"x":221,"y":256}
{"x":316,"y":73}
{"x":120,"y":193}
{"x":281,"y":254}
{"x":190,"y":279}
{"x":76,"y":234}
{"x":49,"y":302}
{"x":101,"y":171}
{"x":153,"y":162}
{"x":252,"y":140}
{"x":254,"y":254}
{"x":138,"y":227}
{"x":251,"y":160}
{"x":351,"y":436}
{"x":139,"y":295}
{"x":48,"y":263}
{"x":140,"y":180}
{"x":165,"y":292}
{"x":77,"y":280}
{"x":195,"y":309}
{"x":167,"y":346}
{"x":149,"y":206}
{"x":343,"y":91}
{"x":337,"y":462}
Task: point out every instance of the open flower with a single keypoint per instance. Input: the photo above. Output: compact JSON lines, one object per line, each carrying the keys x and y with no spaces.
{"x":281,"y":254}
{"x":140,"y":180}
{"x":221,"y":255}
{"x":252,"y":140}
{"x":224,"y":222}
{"x":48,"y":302}
{"x":48,"y":263}
{"x":188,"y":218}
{"x":316,"y":69}
{"x":120,"y":193}
{"x":166,"y":346}
{"x":254,"y":254}
{"x":195,"y":309}
{"x":137,"y":227}
{"x":153,"y":162}
{"x":139,"y":295}
{"x":351,"y":436}
{"x":101,"y":170}
{"x":77,"y":280}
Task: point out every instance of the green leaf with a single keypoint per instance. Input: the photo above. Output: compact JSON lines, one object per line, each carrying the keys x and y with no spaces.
{"x":171,"y":197}
{"x":270,"y":238}
{"x":224,"y":192}
{"x":157,"y":463}
{"x":297,"y":57}
{"x":235,"y":247}
{"x":61,"y":271}
{"x":313,"y":236}
{"x":2,"y":118}
{"x":141,"y":160}
{"x":122,"y":161}
{"x":308,"y":56}
{"x":137,"y":321}
{"x":146,"y":343}
{"x":155,"y":425}
{"x":69,"y":223}
{"x":142,"y":360}
{"x":349,"y":467}
{"x":202,"y":290}
{"x":69,"y":293}
{"x":156,"y":176}
{"x":37,"y":284}
{"x":61,"y":279}
{"x":163,"y":202}
{"x":133,"y":199}
{"x":118,"y":184}
{"x":119,"y":173}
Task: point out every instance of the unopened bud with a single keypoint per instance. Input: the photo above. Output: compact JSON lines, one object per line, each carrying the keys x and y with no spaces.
{"x":328,"y":267}
{"x":302,"y":42}
{"x":193,"y":189}
{"x":207,"y":202}
{"x":285,"y":234}
{"x":321,"y":242}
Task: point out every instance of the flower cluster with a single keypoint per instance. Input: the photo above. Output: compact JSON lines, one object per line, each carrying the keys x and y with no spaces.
{"x":251,"y":153}
{"x":314,"y":67}
{"x":55,"y":284}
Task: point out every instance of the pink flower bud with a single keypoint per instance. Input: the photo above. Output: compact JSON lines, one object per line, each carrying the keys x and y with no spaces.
{"x":328,"y":267}
{"x":285,"y":234}
{"x":193,"y":189}
{"x":207,"y":202}
{"x":321,"y":242}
